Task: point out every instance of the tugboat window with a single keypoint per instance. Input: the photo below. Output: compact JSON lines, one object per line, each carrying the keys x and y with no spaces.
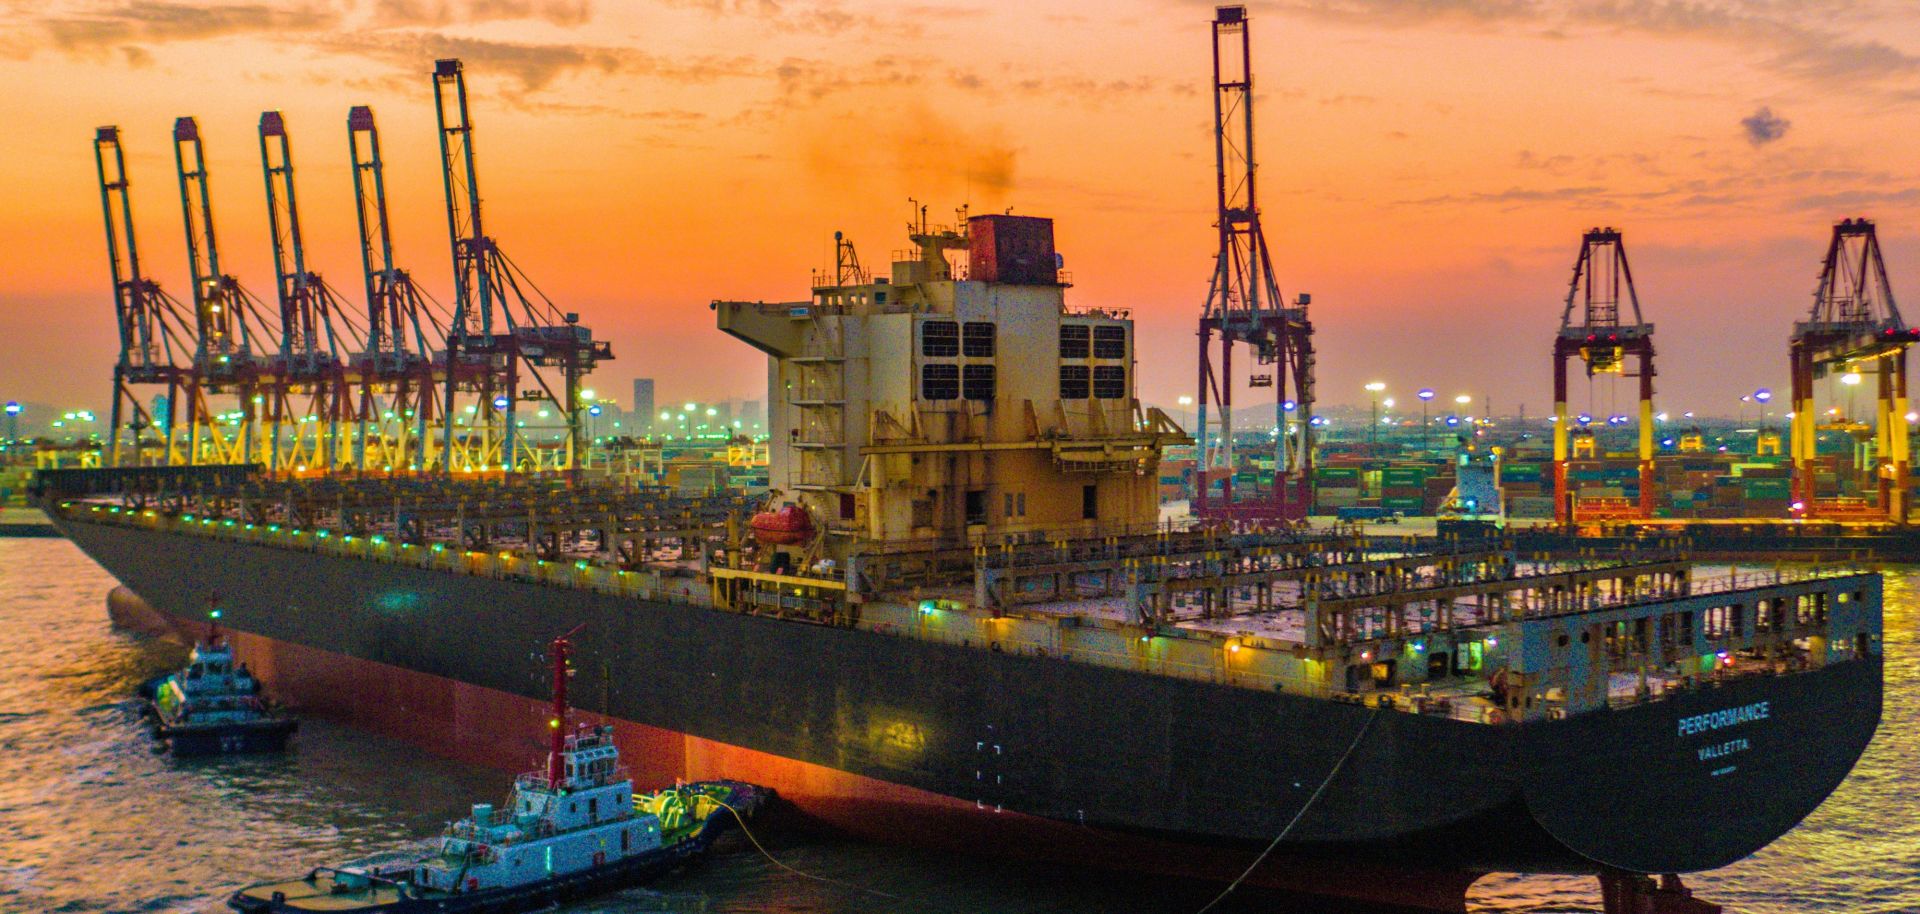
{"x":1110,"y":382}
{"x":1110,"y":341}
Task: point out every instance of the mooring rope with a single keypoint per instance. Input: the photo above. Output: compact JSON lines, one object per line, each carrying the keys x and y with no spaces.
{"x":1282,"y":836}
{"x":737,"y":817}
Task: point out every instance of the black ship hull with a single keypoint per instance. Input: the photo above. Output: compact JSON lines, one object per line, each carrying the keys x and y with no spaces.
{"x":906,"y":740}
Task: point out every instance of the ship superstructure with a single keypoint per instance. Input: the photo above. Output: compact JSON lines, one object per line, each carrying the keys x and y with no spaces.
{"x":956,"y":402}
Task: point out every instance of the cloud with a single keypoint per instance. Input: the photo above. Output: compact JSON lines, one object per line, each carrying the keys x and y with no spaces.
{"x":391,"y":13}
{"x":151,"y":22}
{"x":535,"y":65}
{"x":1763,"y":126}
{"x":1403,"y":13}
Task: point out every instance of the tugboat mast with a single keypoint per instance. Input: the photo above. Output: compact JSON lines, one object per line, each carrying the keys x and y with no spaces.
{"x":558,"y":723}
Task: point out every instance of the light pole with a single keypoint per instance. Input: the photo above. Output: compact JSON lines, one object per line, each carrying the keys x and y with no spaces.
{"x":1186,"y":404}
{"x":1462,"y":402}
{"x":13,"y":421}
{"x":1373,"y":426}
{"x":1426,"y":424}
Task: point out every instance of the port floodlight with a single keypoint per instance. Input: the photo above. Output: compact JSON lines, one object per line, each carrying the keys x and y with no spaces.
{"x":13,"y":408}
{"x":500,"y":402}
{"x":1426,"y":393}
{"x":1763,"y":395}
{"x":593,"y":410}
{"x":1388,"y":403}
{"x":1913,"y":417}
{"x":690,"y":407}
{"x":587,"y":394}
{"x":1463,"y":399}
{"x":1289,"y":406}
{"x":1377,"y":386}
{"x":1851,"y":378}
{"x":1184,"y":401}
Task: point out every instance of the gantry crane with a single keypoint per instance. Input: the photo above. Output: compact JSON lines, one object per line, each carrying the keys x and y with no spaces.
{"x":224,"y":358}
{"x":1244,"y":307}
{"x":309,"y":362}
{"x":495,"y":322}
{"x":398,"y":361}
{"x":1599,"y":337}
{"x":154,"y":333}
{"x":1854,"y":328}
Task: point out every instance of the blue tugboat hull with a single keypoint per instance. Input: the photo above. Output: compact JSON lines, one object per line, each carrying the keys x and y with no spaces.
{"x":541,"y":894}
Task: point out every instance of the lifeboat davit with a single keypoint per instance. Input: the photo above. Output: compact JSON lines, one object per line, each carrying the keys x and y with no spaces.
{"x":787,"y":526}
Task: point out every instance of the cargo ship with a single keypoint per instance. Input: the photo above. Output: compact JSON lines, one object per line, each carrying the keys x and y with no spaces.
{"x":958,"y":618}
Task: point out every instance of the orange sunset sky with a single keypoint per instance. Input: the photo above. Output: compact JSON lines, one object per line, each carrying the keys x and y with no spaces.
{"x":1427,"y":165}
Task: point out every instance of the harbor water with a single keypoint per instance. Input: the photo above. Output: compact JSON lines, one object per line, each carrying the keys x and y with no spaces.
{"x":92,"y":820}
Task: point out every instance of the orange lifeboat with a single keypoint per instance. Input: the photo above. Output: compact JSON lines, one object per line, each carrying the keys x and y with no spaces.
{"x":787,"y":526}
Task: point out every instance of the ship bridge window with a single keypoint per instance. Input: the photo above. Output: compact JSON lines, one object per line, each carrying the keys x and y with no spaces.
{"x":1074,"y":383}
{"x":940,"y":382}
{"x":1073,"y":341}
{"x":1110,"y":341}
{"x":976,"y":341}
{"x":939,"y":338}
{"x":1110,"y":382}
{"x":977,"y":383}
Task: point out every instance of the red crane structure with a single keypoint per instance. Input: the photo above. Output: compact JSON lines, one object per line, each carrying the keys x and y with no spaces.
{"x":225,"y":317}
{"x":309,"y":364}
{"x":498,"y":328}
{"x":1855,"y":329}
{"x":1599,"y":337}
{"x":1244,"y":307}
{"x":156,"y":338}
{"x":399,"y":381}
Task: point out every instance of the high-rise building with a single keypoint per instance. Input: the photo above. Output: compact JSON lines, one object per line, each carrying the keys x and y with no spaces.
{"x":643,"y":406}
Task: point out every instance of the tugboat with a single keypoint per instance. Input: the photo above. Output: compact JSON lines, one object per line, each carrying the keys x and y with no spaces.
{"x":573,"y":830}
{"x":214,"y":705}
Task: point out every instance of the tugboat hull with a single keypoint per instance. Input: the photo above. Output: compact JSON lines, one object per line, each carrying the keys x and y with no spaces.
{"x":315,"y":893}
{"x":258,"y":736}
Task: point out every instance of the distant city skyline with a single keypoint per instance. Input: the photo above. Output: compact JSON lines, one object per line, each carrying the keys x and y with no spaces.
{"x":1433,"y":209}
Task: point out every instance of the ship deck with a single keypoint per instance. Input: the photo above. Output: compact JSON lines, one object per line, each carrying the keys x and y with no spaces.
{"x":1422,"y":625}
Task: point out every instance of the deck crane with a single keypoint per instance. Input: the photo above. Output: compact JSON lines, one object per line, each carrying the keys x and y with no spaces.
{"x":309,"y":361}
{"x":1854,"y":328}
{"x":224,"y":359}
{"x":399,"y":357}
{"x":1244,"y":307}
{"x":154,"y":331}
{"x":1592,"y":330}
{"x":495,"y":322}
